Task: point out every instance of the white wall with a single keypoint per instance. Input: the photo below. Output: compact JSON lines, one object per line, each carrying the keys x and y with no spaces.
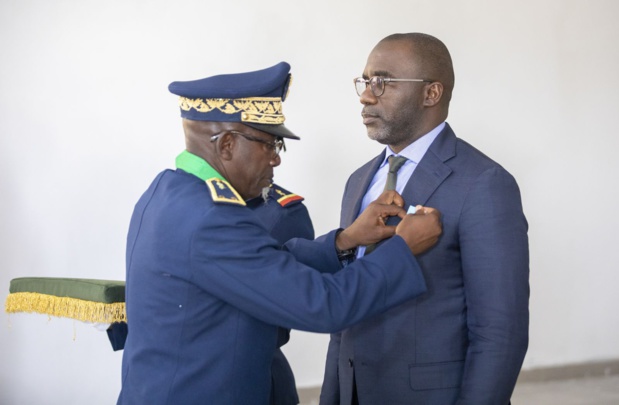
{"x":86,"y":122}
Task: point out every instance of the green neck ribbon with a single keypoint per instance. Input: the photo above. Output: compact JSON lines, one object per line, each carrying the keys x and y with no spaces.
{"x":197,"y":166}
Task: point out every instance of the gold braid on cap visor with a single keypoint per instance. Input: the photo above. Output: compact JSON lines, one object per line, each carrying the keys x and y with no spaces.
{"x":259,"y":110}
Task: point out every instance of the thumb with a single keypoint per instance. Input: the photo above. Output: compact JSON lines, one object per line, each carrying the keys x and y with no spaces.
{"x":391,"y":210}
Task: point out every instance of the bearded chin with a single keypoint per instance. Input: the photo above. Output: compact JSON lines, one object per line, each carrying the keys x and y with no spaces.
{"x":390,"y":135}
{"x":265,"y":193}
{"x":380,"y":136}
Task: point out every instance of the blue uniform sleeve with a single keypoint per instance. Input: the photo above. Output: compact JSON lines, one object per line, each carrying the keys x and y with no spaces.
{"x":293,"y":222}
{"x":234,"y":259}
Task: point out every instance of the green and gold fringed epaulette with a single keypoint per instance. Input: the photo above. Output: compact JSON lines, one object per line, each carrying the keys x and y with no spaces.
{"x":87,"y":300}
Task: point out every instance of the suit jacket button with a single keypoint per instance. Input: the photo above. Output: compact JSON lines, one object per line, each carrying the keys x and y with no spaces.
{"x":350,"y":362}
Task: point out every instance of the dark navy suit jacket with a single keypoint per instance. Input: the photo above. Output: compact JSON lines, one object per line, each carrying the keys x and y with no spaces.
{"x":207,"y":288}
{"x":464,"y":340}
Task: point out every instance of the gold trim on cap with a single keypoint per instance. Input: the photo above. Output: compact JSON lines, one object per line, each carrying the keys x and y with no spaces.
{"x":260,"y":110}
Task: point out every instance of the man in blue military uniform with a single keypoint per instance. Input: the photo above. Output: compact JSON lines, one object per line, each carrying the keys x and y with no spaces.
{"x":207,"y":284}
{"x":285,"y":217}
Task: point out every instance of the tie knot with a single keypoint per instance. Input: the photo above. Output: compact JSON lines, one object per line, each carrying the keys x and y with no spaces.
{"x":395,"y":162}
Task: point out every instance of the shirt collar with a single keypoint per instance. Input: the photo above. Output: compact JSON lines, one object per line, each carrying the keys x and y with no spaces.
{"x":416,"y":150}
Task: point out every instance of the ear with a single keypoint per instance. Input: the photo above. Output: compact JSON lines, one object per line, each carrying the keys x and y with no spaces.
{"x":433,"y":94}
{"x":225,"y":146}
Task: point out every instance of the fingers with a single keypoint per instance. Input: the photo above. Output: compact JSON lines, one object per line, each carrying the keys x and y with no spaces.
{"x":382,"y":212}
{"x":388,"y":210}
{"x":383,"y":209}
{"x":397,"y":200}
{"x":421,"y":230}
{"x":390,"y":197}
{"x":421,"y":210}
{"x":386,"y":231}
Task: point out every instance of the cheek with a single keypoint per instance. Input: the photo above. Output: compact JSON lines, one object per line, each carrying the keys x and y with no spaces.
{"x":256,"y":171}
{"x":393,"y":102}
{"x":390,"y":110}
{"x":401,"y":109}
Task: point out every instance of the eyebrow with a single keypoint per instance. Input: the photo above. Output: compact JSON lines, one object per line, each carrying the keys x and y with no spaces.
{"x":381,"y":73}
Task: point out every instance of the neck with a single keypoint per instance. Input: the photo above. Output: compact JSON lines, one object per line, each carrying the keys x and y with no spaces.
{"x":423,"y":130}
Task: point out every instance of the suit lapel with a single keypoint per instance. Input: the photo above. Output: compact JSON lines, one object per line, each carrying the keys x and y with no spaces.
{"x":356,"y":188}
{"x":432,"y":170}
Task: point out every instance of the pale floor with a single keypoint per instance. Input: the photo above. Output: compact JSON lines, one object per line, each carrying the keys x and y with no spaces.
{"x":582,"y":391}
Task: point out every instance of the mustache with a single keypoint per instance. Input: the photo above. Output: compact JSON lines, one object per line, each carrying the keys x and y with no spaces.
{"x":368,"y":112}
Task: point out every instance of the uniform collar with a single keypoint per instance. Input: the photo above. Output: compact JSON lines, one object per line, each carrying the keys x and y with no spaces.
{"x":197,"y":166}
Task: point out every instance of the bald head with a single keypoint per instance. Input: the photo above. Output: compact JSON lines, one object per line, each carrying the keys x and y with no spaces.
{"x":431,"y":57}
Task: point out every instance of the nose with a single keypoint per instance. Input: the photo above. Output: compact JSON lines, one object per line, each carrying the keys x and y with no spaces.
{"x":367,"y":97}
{"x":276,"y":161}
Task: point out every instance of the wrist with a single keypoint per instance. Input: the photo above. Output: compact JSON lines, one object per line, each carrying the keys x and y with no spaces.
{"x":343,"y":242}
{"x":345,"y":252}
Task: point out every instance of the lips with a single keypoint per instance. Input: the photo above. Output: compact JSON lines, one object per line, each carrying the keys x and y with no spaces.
{"x":368,"y":117}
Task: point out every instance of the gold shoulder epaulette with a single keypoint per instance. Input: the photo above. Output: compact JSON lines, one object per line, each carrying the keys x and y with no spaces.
{"x":284,"y":197}
{"x":223,"y":192}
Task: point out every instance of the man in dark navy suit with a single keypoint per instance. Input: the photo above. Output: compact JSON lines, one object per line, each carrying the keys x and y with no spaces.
{"x":207,"y":286}
{"x":464,"y":339}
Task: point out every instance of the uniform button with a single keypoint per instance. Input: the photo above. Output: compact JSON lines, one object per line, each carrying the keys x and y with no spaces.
{"x":350,"y":362}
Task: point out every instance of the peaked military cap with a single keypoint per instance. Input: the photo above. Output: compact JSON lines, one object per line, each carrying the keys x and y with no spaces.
{"x":251,"y":98}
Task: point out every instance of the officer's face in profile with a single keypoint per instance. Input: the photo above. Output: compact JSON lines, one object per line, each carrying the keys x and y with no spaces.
{"x":254,"y":160}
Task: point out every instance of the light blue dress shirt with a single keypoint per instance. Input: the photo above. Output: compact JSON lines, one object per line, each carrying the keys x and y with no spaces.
{"x":414,"y":153}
